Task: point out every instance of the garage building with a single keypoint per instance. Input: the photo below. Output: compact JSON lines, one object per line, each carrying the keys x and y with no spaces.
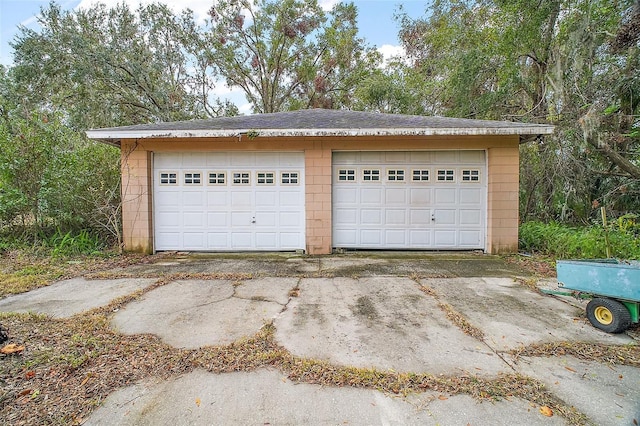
{"x":318,"y":180}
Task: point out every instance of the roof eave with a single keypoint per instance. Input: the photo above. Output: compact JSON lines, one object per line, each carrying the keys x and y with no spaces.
{"x":112,"y":135}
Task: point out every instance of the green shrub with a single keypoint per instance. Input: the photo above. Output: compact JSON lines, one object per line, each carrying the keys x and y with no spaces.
{"x":588,"y":242}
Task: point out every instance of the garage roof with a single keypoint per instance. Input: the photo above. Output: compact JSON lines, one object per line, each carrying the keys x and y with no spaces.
{"x":318,"y":122}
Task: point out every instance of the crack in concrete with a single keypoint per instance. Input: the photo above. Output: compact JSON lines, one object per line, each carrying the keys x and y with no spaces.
{"x":483,"y":341}
{"x":294,"y":288}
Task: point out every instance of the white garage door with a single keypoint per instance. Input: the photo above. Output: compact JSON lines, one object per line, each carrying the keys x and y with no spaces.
{"x":231,"y":201}
{"x":409,"y":200}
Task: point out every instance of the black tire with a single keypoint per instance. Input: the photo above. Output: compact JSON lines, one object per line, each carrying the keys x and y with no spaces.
{"x":608,"y":315}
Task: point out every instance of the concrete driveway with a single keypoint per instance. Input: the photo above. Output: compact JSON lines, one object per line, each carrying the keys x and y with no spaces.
{"x":383,"y":312}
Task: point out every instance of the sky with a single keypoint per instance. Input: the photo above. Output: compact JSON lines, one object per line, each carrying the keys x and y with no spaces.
{"x":375,"y":20}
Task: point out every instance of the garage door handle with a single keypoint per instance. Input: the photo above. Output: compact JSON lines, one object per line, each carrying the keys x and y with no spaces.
{"x":253,"y":219}
{"x":433,"y":217}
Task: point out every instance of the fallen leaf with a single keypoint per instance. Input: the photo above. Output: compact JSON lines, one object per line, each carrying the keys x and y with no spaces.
{"x":570,"y":369}
{"x":635,"y":422}
{"x":442,"y":398}
{"x":620,"y":376}
{"x":198,"y":402}
{"x":29,"y":375}
{"x":546,"y":411}
{"x":12,"y":348}
{"x":25,"y":392}
{"x":84,"y":382}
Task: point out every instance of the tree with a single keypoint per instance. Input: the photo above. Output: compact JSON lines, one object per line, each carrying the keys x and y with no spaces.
{"x":287,"y":55}
{"x":571,"y":63}
{"x":108,"y":67}
{"x":51,"y":177}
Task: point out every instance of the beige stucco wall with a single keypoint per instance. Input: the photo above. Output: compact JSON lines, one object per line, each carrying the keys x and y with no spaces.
{"x":502,"y":196}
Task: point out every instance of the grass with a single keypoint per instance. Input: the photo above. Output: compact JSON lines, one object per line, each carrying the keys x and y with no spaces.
{"x":22,"y":271}
{"x":587,"y":242}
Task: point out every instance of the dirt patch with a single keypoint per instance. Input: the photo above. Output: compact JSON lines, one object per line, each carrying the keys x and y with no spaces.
{"x":21,"y":272}
{"x":365,"y":308}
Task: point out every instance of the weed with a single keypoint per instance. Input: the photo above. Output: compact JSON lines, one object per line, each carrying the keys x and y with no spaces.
{"x":461,"y":321}
{"x":294,"y":292}
{"x":562,"y":241}
{"x":70,"y":244}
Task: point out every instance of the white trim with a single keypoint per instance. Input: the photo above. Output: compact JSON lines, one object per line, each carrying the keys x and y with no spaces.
{"x":241,"y":134}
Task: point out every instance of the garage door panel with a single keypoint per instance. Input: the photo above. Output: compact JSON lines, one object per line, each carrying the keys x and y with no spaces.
{"x":193,"y":219}
{"x":217,"y":240}
{"x":469,"y":238}
{"x":193,"y":240}
{"x":220,"y":214}
{"x":419,"y":217}
{"x":290,"y":220}
{"x":343,"y":195}
{"x":266,"y":198}
{"x":217,"y":219}
{"x":420,"y":238}
{"x":217,"y":160}
{"x":346,"y":217}
{"x":420,"y":157}
{"x":240,"y":159}
{"x":193,"y":199}
{"x":217,"y":199}
{"x":420,"y":196}
{"x":289,"y":159}
{"x":371,"y":237}
{"x":241,"y":240}
{"x":470,"y":196}
{"x":444,"y":238}
{"x":168,"y":219}
{"x":395,"y":196}
{"x":266,"y":240}
{"x":371,"y":196}
{"x":445,"y":157}
{"x":395,"y":237}
{"x":445,"y":196}
{"x":371,"y":217}
{"x":168,"y":239}
{"x":192,"y":160}
{"x":168,"y":199}
{"x":444,"y":217}
{"x":291,"y":199}
{"x":242,"y":200}
{"x":371,"y":157}
{"x":417,"y":212}
{"x":289,"y":240}
{"x":472,"y":157}
{"x":470,"y":217}
{"x":395,"y":217}
{"x":345,"y":237}
{"x":267,"y":219}
{"x":239,"y":219}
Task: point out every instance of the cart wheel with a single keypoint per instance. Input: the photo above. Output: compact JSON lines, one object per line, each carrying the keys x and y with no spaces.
{"x":608,"y":315}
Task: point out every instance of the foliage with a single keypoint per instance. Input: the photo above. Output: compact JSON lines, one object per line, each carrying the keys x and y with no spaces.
{"x":588,"y":242}
{"x":392,"y":90}
{"x":288,"y":55}
{"x":109,"y":67}
{"x":571,"y":63}
{"x":51,"y":178}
